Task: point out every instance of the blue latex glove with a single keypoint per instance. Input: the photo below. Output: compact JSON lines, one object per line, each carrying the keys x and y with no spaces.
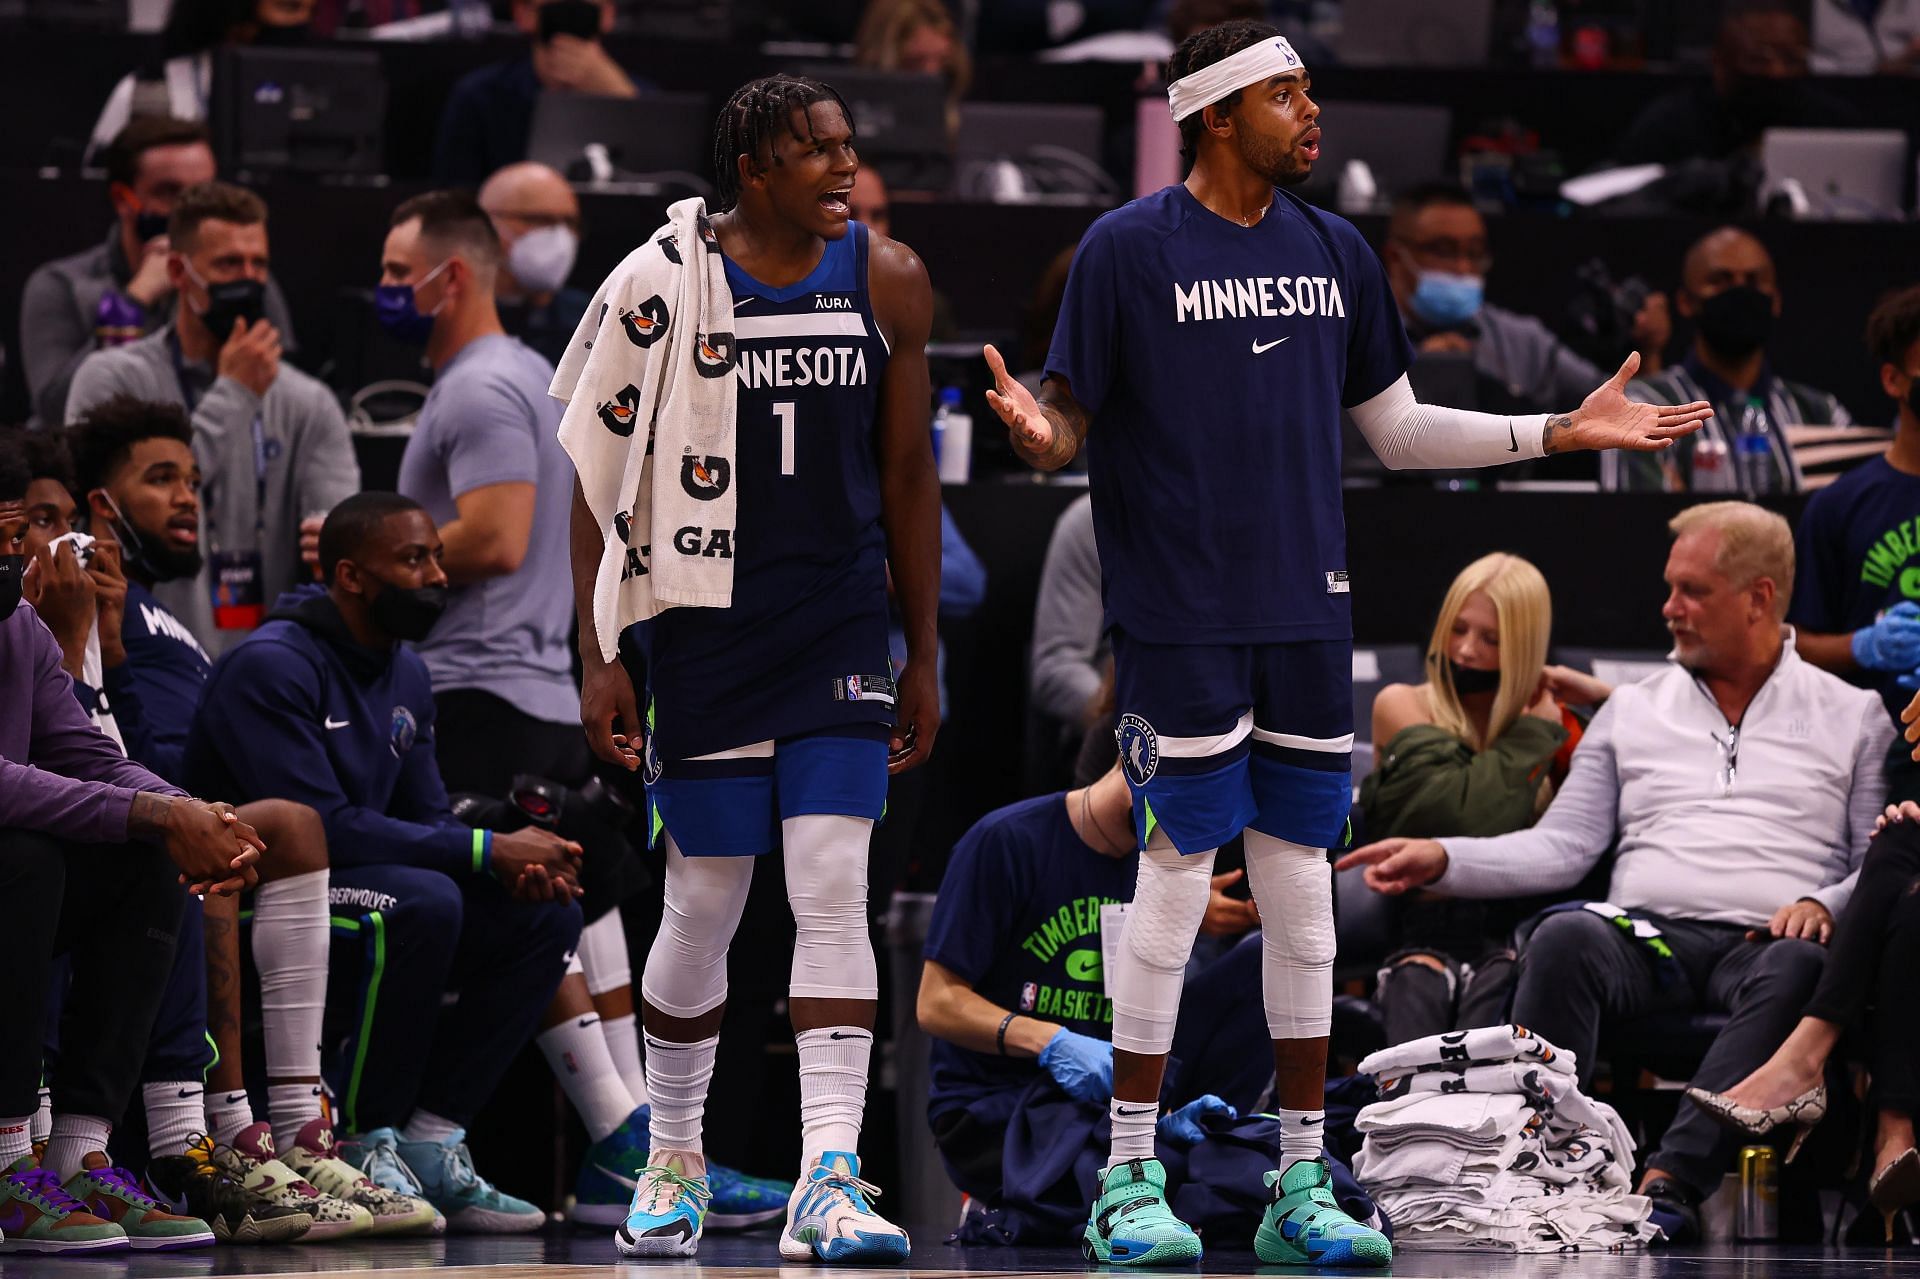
{"x":1893,"y":642}
{"x":1182,"y":1126}
{"x":1081,"y":1065}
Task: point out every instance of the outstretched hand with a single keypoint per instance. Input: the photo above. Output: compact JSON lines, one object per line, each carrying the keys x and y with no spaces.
{"x":1607,"y":419}
{"x":1016,"y":406}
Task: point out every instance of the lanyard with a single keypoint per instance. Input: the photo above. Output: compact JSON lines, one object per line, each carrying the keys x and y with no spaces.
{"x":257,"y":429}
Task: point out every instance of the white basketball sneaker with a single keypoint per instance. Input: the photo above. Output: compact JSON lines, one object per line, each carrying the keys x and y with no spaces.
{"x":831,"y":1218}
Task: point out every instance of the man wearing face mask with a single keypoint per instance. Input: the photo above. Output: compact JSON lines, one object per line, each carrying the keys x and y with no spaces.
{"x":270,"y":440}
{"x":118,"y":290}
{"x":324,"y":705}
{"x":489,"y":114}
{"x":1437,"y":260}
{"x":1729,"y":291}
{"x":537,"y":217}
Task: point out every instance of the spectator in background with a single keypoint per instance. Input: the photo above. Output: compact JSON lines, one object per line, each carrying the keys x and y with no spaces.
{"x":1069,"y":655}
{"x":271,"y":441}
{"x":489,"y":115}
{"x":1478,"y":748}
{"x":1857,"y":599}
{"x":195,"y":28}
{"x":1729,"y":291}
{"x":1866,"y":37}
{"x":331,"y":17}
{"x":1437,"y":259}
{"x":118,"y":290}
{"x":537,"y":217}
{"x":918,"y":36}
{"x":1737,"y":790}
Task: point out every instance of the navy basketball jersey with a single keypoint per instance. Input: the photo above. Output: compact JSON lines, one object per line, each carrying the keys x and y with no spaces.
{"x":804,"y":645}
{"x":1215,"y":360}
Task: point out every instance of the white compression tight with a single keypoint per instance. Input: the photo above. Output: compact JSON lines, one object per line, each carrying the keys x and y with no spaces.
{"x":686,"y":973}
{"x":1293,"y":887}
{"x":1169,"y":899}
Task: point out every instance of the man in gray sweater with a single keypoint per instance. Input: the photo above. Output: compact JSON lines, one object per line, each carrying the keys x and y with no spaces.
{"x":271,"y":441}
{"x":1738,"y":791}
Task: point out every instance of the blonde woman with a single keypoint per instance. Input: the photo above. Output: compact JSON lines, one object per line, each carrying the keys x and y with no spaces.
{"x":1476,"y":749}
{"x":917,"y":36}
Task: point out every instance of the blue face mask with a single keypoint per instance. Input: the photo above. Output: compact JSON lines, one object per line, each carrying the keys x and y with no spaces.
{"x":394,"y":307}
{"x":1444,"y":299}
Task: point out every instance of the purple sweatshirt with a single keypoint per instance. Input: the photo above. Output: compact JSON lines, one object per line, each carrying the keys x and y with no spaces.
{"x":58,"y":773}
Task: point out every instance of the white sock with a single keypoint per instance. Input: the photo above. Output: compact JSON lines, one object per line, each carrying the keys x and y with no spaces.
{"x":43,"y":1116}
{"x":680,"y":1075}
{"x":175,"y":1113}
{"x":290,"y":942}
{"x":74,"y":1138}
{"x":1303,"y":1135}
{"x":623,"y":1044}
{"x":577,"y":1053}
{"x":833,"y":1089}
{"x":427,"y":1126}
{"x":228,"y":1115}
{"x":291,"y":1107}
{"x":16,"y":1139}
{"x":1133,"y":1123}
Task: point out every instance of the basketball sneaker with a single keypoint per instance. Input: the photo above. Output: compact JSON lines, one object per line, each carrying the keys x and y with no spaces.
{"x":192,"y":1184}
{"x":377,"y":1155}
{"x":1305,"y":1225}
{"x":610,"y":1173}
{"x":471,"y":1204}
{"x":111,"y":1194}
{"x":830,"y":1217}
{"x":741,"y":1202}
{"x":669,"y":1206}
{"x":316,"y":1158}
{"x":1131,"y":1224}
{"x":251,"y":1161}
{"x":36,"y":1215}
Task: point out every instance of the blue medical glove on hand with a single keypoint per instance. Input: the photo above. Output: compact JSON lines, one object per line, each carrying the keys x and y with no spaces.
{"x":1891,"y":643}
{"x":1081,"y":1065}
{"x":1182,"y":1126}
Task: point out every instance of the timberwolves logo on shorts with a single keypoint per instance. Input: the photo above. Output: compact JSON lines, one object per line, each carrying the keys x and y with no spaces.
{"x":705,"y":478}
{"x":650,"y":769}
{"x":621,"y":412}
{"x":646,"y":323}
{"x":1139,"y":749}
{"x":714,"y":354}
{"x":401,"y":732}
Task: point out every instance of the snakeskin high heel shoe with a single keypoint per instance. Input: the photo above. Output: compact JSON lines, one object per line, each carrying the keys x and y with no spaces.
{"x":1802,"y":1113}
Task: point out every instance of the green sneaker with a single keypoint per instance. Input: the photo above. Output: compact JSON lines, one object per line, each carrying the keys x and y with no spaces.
{"x":1304,"y":1226}
{"x":36,"y":1215}
{"x":1131,"y":1225}
{"x":111,"y":1194}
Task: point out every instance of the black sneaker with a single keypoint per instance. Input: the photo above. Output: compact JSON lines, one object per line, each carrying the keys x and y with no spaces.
{"x":1675,"y":1212}
{"x":190,"y":1185}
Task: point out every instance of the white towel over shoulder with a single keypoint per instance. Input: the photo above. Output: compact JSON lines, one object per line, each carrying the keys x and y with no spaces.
{"x":649,"y":376}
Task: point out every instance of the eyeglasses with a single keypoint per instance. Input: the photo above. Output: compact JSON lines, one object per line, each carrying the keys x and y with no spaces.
{"x":1730,"y":757}
{"x":1472,"y":253}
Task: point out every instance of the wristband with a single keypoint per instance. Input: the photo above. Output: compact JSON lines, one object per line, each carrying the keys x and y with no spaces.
{"x":482,"y":851}
{"x":1000,"y":1037}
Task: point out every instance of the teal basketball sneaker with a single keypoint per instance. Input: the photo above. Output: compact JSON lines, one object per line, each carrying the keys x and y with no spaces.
{"x":1130,"y":1223}
{"x":1304,"y":1226}
{"x":669,"y":1207}
{"x":610,"y":1173}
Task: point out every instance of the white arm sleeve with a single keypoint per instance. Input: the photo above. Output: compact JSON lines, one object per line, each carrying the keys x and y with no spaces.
{"x":1408,"y":435}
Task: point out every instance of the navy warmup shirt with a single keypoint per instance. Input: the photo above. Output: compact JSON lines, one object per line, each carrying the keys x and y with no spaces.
{"x":155,"y":691}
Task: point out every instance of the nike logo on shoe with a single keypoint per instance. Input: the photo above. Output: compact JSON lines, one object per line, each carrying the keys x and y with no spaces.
{"x":342,"y":724}
{"x":1261,"y":348}
{"x":630,"y":1183}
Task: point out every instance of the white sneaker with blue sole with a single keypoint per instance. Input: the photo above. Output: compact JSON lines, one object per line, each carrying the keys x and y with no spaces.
{"x":831,"y":1218}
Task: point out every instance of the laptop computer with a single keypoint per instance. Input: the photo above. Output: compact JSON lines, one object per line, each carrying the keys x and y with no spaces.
{"x":1848,"y":175}
{"x":652,"y":134}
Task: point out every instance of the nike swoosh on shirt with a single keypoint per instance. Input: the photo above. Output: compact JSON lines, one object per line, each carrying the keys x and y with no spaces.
{"x":342,"y":724}
{"x":1261,"y":348}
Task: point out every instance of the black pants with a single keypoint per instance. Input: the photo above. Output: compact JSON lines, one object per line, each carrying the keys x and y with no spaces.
{"x":1417,"y":1000}
{"x":1875,"y":960}
{"x":482,"y":742}
{"x":1579,"y":971}
{"x":114,"y":910}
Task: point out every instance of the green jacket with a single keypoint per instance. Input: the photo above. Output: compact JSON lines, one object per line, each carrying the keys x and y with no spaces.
{"x":1430,"y":784}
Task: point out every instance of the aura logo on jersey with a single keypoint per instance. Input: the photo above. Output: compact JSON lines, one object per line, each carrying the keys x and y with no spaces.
{"x":1139,"y":749}
{"x":715,"y":354}
{"x":622,"y":412}
{"x":647,"y":323}
{"x":705,"y":478}
{"x":401,"y":732}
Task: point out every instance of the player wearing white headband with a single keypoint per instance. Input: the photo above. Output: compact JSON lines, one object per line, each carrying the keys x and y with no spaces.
{"x":1215,"y":330}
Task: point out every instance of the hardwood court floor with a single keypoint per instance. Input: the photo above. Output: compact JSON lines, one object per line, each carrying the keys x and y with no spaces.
{"x":559,"y":1254}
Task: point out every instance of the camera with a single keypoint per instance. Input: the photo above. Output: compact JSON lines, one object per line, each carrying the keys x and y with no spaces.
{"x":1602,"y":312}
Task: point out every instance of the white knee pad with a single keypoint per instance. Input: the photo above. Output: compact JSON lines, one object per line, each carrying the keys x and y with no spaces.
{"x":1169,"y":899}
{"x":826,"y":860}
{"x":687,"y":967}
{"x":603,"y":954}
{"x":1293,"y":887}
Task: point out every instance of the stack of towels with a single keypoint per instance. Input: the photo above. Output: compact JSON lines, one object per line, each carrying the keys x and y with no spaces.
{"x":1483,"y":1139}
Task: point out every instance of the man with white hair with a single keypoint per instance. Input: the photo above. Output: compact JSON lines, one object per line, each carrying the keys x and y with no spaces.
{"x":1740,"y":787}
{"x":537,"y":216}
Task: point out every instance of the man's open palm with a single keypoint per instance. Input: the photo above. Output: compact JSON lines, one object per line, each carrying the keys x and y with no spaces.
{"x":1016,"y":406}
{"x":1609,"y":420}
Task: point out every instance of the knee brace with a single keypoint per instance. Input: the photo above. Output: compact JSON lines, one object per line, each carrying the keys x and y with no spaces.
{"x":687,"y":967}
{"x":1169,"y":899}
{"x":1293,"y":887}
{"x":826,"y":861}
{"x":603,"y":954}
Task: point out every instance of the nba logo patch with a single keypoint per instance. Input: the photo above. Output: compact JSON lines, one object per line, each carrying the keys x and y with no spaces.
{"x":1139,"y":749}
{"x":1029,"y":995}
{"x":853,"y":688}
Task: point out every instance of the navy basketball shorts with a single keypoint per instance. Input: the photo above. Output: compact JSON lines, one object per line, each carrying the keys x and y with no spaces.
{"x":731,"y":803}
{"x":1216,"y":738}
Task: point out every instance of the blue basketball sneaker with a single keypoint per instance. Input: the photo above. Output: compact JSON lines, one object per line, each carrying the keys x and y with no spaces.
{"x":669,"y":1207}
{"x":741,"y":1202}
{"x":1305,"y":1226}
{"x":470,"y":1203}
{"x":830,"y":1217}
{"x":610,"y":1173}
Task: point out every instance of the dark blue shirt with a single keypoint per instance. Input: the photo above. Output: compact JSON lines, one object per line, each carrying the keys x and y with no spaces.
{"x":487,"y":121}
{"x":153,"y":694}
{"x":1018,"y":919}
{"x":1857,"y":554}
{"x":1214,"y":360}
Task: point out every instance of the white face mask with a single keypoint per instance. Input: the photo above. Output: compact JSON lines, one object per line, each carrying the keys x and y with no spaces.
{"x":542,"y":259}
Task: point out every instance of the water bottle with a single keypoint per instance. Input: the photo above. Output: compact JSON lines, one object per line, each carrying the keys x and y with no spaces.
{"x":1754,"y":444}
{"x":1712,"y":467}
{"x":952,"y":438}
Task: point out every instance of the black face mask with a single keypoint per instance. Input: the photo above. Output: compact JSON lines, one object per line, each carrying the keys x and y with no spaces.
{"x":1736,"y":322}
{"x":580,"y":18}
{"x":283,"y":37}
{"x":1467,"y":681}
{"x":12,"y":569}
{"x":233,"y":300}
{"x":148,"y":225}
{"x":407,"y":612}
